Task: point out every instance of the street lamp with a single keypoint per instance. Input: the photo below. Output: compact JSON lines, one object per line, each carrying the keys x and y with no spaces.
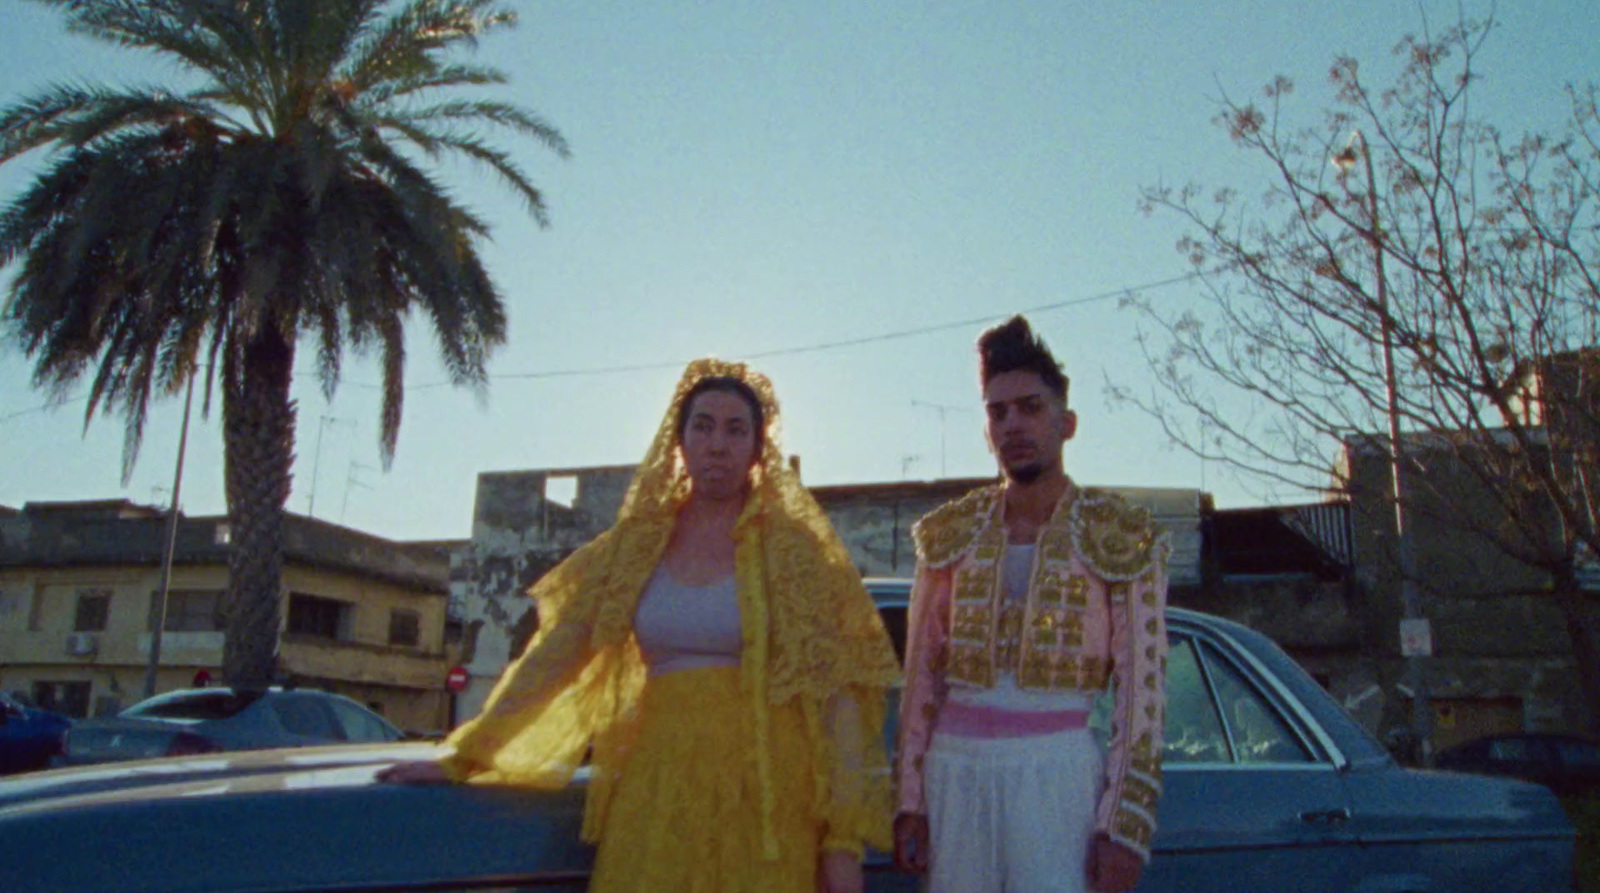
{"x":1415,"y":640}
{"x":153,"y":664}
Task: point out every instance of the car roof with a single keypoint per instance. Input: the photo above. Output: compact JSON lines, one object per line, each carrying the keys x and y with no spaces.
{"x":309,"y":824}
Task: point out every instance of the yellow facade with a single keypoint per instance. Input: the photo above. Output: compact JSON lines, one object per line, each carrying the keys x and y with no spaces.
{"x":41,"y":639}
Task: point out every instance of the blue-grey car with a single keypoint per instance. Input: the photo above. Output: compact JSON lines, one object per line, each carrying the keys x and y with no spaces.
{"x":1269,"y":786}
{"x":206,"y":720}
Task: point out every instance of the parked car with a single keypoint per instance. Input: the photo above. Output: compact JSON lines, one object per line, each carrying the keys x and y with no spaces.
{"x":29,"y":737}
{"x":1269,"y":786}
{"x":207,"y":720}
{"x":1566,"y":764}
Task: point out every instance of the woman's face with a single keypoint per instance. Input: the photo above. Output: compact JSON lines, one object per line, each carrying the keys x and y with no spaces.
{"x":719,"y":444}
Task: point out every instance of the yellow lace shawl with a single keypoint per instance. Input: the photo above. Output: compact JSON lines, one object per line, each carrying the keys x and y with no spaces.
{"x":811,"y":634}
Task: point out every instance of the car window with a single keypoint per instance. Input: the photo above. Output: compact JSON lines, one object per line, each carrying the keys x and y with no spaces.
{"x":195,"y":705}
{"x":1579,"y":754}
{"x":358,"y":724}
{"x":304,"y":716}
{"x":1260,"y":734}
{"x":1194,"y":732}
{"x":894,"y":621}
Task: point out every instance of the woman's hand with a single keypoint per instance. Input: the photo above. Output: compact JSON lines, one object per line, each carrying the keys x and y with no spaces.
{"x":839,"y":872}
{"x":414,"y":772}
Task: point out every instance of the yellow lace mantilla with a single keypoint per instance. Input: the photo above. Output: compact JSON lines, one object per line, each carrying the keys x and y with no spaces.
{"x":811,"y":635}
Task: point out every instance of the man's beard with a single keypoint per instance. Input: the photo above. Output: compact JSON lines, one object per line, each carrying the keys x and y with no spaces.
{"x":1024,"y":474}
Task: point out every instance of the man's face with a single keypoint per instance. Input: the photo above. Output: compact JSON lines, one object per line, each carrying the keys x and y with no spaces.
{"x":1027,"y":425}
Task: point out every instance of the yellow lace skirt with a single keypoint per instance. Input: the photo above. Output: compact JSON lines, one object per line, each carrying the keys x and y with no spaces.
{"x":686,"y":815}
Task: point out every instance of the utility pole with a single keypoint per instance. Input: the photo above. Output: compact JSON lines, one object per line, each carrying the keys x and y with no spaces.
{"x":1415,"y":636}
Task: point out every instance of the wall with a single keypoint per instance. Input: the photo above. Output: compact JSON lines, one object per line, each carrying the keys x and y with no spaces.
{"x":1498,"y":637}
{"x":405,"y":683}
{"x":517,"y":535}
{"x":116,"y":665}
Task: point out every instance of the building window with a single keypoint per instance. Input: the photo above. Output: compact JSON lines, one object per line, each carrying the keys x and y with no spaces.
{"x":36,"y":610}
{"x":189,"y":610}
{"x":15,"y":608}
{"x":68,"y":698}
{"x":324,"y":618}
{"x":404,"y":627}
{"x":94,"y":605}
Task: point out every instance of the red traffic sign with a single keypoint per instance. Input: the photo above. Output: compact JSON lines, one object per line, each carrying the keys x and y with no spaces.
{"x":456,"y":680}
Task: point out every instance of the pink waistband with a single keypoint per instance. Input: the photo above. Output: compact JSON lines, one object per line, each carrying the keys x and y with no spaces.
{"x":968,"y":721}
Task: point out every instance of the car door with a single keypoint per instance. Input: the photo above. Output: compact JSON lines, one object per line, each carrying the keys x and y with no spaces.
{"x":1251,"y":801}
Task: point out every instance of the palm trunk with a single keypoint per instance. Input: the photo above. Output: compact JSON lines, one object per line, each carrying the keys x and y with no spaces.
{"x":258,"y":423}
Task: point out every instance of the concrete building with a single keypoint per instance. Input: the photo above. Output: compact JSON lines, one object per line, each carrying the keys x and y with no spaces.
{"x":362,"y":616}
{"x":1502,"y":654}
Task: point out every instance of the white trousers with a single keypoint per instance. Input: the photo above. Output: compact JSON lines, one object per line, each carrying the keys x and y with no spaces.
{"x":1012,"y":815}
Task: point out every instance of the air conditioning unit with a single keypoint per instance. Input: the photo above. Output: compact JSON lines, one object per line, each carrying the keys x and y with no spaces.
{"x":82,"y":643}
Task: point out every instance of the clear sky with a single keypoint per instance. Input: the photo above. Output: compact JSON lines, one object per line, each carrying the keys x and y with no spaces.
{"x":763,"y":179}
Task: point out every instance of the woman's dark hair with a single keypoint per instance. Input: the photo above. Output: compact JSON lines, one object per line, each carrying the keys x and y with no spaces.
{"x":1013,"y":347}
{"x":730,"y":385}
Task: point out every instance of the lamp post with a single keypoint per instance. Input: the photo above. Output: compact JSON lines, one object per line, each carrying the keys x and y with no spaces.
{"x":166,"y":556}
{"x":1415,"y":639}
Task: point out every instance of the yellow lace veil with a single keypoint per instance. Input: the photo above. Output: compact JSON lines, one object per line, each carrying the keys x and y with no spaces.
{"x":811,"y":636}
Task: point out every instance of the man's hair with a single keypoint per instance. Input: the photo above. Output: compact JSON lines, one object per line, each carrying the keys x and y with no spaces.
{"x":1013,"y":347}
{"x":731,"y":385}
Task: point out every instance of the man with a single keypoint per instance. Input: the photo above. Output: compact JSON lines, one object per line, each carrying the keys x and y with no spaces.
{"x":1030,"y":595}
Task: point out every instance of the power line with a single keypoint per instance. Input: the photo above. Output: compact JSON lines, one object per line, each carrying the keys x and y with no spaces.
{"x":879,"y":338}
{"x":833,"y":345}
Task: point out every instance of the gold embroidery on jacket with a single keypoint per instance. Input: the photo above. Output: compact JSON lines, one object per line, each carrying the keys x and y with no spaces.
{"x":945,"y":534}
{"x":1116,"y":538}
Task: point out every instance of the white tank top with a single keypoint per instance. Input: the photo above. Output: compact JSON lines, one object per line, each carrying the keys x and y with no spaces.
{"x":688,"y":627}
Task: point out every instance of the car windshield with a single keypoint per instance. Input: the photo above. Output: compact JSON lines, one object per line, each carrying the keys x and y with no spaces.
{"x":193,"y":705}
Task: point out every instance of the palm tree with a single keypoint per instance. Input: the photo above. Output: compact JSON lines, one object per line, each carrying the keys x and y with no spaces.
{"x":281,"y":199}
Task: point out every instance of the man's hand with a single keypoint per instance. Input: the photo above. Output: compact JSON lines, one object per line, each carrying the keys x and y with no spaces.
{"x":839,"y":872}
{"x":1113,"y":868}
{"x":911,"y":843}
{"x":414,"y":772}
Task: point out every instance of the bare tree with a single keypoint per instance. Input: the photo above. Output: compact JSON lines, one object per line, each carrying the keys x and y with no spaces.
{"x":1401,"y":227}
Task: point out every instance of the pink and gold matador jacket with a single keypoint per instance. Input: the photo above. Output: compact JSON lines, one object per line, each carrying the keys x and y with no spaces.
{"x":1094,"y":612}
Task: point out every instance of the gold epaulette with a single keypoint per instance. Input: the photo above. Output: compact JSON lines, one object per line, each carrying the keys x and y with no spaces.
{"x":944,"y":533}
{"x":1118,"y":540}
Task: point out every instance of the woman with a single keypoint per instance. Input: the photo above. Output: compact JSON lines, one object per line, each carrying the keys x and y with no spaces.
{"x":717,"y":650}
